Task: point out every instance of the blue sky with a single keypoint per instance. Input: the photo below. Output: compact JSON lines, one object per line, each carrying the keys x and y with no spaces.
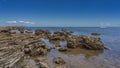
{"x":76,"y":13}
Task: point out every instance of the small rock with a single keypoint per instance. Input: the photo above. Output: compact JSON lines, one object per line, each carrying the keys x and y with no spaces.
{"x":95,"y":33}
{"x":57,"y":45}
{"x":48,"y":48}
{"x":59,"y":60}
{"x":27,"y":51}
{"x":107,"y":48}
{"x":43,"y":65}
{"x":62,"y":49}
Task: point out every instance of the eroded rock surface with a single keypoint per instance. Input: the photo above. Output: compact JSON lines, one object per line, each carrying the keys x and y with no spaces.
{"x":14,"y":47}
{"x":85,"y":42}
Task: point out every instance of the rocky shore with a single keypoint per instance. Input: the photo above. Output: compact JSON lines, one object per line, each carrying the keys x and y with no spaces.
{"x":18,"y":45}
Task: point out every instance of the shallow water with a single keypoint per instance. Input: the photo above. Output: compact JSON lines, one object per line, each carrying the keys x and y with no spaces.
{"x":80,"y":58}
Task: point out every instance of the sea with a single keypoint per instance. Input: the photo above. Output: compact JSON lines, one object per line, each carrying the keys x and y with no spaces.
{"x":80,"y":58}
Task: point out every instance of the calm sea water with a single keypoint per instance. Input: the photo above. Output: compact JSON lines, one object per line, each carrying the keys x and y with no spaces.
{"x":78,"y":58}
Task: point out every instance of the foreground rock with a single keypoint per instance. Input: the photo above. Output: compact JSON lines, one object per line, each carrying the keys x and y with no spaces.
{"x":10,"y":51}
{"x":14,"y":47}
{"x":36,"y":48}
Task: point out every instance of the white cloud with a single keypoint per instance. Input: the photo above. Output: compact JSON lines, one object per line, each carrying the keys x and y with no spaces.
{"x":22,"y":22}
{"x":12,"y":22}
{"x":26,"y":22}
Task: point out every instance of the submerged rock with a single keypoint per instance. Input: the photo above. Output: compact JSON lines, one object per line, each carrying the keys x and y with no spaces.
{"x":42,"y":65}
{"x":95,"y":33}
{"x":28,"y":32}
{"x":107,"y":48}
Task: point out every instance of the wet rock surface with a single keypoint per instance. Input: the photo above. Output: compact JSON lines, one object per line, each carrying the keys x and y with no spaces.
{"x":43,"y":33}
{"x":62,"y":49}
{"x":85,"y":42}
{"x":59,"y":60}
{"x":16,"y":46}
{"x":60,"y":36}
{"x":42,"y":65}
{"x":36,"y":48}
{"x":13,"y":48}
{"x":95,"y":33}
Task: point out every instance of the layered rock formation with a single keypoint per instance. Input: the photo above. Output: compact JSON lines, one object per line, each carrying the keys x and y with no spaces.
{"x":16,"y":46}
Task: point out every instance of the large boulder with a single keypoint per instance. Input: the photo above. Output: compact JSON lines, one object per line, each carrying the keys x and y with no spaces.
{"x":61,"y":36}
{"x":93,"y":43}
{"x":43,"y":33}
{"x":36,"y":48}
{"x":85,"y":42}
{"x":38,"y":52}
{"x":74,"y":42}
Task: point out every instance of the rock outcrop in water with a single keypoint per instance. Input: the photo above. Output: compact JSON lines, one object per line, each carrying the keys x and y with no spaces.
{"x":14,"y":46}
{"x":60,"y":36}
{"x":85,"y":42}
{"x":43,"y":33}
{"x":95,"y":33}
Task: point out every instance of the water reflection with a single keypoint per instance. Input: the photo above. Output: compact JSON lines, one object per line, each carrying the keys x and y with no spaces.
{"x":86,"y":53}
{"x":47,"y":42}
{"x":75,"y":52}
{"x":78,"y":58}
{"x":75,"y":58}
{"x":53,"y":43}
